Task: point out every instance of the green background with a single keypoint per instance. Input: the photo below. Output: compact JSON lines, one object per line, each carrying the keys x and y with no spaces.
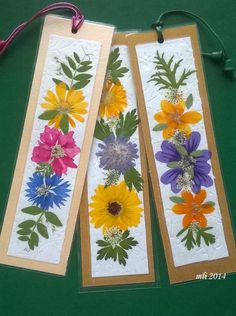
{"x":30,"y":293}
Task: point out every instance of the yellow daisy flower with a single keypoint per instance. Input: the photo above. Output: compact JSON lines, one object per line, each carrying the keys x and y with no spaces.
{"x":69,"y":103}
{"x":113,"y":100}
{"x":115,"y":206}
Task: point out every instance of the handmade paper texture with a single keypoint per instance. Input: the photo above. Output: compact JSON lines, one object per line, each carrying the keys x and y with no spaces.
{"x":187,"y":186}
{"x":52,"y":160}
{"x":117,"y":212}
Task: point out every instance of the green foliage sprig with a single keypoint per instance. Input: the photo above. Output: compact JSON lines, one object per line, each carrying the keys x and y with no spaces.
{"x":114,"y":69}
{"x":75,"y":69}
{"x":165,"y":76}
{"x":119,"y":251}
{"x":31,"y":229}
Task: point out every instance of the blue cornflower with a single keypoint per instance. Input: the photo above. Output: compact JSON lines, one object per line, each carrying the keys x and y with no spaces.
{"x":45,"y":191}
{"x":117,"y":153}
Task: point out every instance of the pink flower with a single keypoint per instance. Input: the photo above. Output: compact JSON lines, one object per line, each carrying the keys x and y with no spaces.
{"x":56,"y":149}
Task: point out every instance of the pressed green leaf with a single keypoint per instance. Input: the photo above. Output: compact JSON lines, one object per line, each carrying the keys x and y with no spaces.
{"x":84,"y":68}
{"x":35,"y":238}
{"x":159,"y":127}
{"x":82,"y":77}
{"x":102,"y":243}
{"x":23,"y":238}
{"x":128,"y":243}
{"x":24,"y":231}
{"x":122,"y":255}
{"x":109,"y":253}
{"x":72,"y":63}
{"x":53,"y":219}
{"x":197,"y":153}
{"x":102,"y":130}
{"x":48,"y":115}
{"x":177,"y":199}
{"x":189,"y":101}
{"x":32,"y":210}
{"x":133,"y":179}
{"x":114,"y":66}
{"x":128,"y":124}
{"x":66,"y":70}
{"x":42,"y":229}
{"x":64,"y":124}
{"x":76,"y":56}
{"x":206,"y":228}
{"x":103,"y":251}
{"x":211,"y":203}
{"x":86,"y":63}
{"x":31,"y":244}
{"x":57,"y":81}
{"x":173,"y":164}
{"x":125,"y":234}
{"x":27,"y":224}
{"x":181,"y":232}
{"x":189,"y":240}
{"x":208,"y":238}
{"x":181,"y":150}
{"x":166,"y":73}
{"x":80,"y":84}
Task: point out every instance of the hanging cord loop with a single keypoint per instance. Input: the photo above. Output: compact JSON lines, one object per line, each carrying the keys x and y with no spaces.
{"x":218,"y":56}
{"x":77,"y":21}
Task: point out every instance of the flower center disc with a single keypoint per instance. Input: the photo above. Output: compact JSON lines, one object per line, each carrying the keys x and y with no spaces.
{"x":195,"y":209}
{"x":114,"y":208}
{"x":108,"y":98}
{"x":63,"y":107}
{"x":43,"y":190}
{"x":176,"y":117}
{"x":57,"y":151}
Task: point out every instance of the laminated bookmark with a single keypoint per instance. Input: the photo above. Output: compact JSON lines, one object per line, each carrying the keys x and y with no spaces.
{"x":54,"y":150}
{"x":182,"y":156}
{"x":115,"y":228}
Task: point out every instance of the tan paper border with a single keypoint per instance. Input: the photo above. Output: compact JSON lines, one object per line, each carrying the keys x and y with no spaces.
{"x":87,"y":279}
{"x":189,"y":271}
{"x":62,"y":27}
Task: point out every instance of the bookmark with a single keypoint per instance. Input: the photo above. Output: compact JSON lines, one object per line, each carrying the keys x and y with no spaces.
{"x":182,"y":156}
{"x":115,"y":227}
{"x":54,"y":151}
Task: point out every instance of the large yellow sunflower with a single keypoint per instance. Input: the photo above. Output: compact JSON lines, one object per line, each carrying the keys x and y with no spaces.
{"x":115,"y":206}
{"x":69,"y":104}
{"x":113,"y":100}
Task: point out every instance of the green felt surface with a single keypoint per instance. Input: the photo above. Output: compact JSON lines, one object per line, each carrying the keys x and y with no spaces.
{"x":25,"y":292}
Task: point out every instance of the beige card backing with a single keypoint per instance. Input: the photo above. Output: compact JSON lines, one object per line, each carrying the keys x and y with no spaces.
{"x":61,"y":27}
{"x":189,"y":271}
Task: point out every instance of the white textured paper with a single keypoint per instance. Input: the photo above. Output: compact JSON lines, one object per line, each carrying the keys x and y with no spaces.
{"x":49,"y":250}
{"x":137,"y":262}
{"x":181,"y":49}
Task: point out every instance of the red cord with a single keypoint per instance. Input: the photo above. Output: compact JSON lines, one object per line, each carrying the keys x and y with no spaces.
{"x":77,"y":21}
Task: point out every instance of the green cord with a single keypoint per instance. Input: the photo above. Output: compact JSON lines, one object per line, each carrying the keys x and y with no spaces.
{"x":220,"y":56}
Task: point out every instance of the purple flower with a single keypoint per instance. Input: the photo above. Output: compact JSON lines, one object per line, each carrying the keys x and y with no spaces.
{"x":189,"y":167}
{"x":117,"y":153}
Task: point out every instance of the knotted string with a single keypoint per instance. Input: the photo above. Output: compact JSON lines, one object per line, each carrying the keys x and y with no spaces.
{"x":218,"y":56}
{"x":77,"y":21}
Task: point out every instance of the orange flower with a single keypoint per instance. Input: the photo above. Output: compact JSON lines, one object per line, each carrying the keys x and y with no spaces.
{"x":174,"y":117}
{"x":113,"y":100}
{"x":193,"y":208}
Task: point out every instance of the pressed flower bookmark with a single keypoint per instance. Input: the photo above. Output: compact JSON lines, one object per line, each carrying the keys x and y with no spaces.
{"x":116,"y":244}
{"x":182,"y":156}
{"x":54,"y":151}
